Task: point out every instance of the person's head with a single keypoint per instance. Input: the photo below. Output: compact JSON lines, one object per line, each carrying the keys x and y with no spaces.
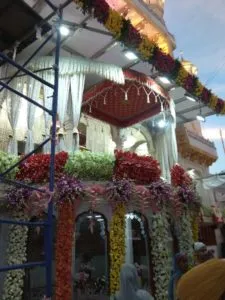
{"x":200,"y":251}
{"x":181,"y":262}
{"x":128,"y":277}
{"x":207,"y":279}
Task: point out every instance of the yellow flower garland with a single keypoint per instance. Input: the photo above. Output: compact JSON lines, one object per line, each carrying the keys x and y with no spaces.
{"x":114,"y":23}
{"x":198,"y":89}
{"x":182,"y":75}
{"x":146,"y":48}
{"x":195,"y":228}
{"x":223,"y":109}
{"x":213,"y":102}
{"x":117,"y":246}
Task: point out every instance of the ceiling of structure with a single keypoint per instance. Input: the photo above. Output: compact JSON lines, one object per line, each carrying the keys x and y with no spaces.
{"x":90,"y":39}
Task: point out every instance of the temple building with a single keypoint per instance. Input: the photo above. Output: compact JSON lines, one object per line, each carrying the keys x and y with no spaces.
{"x":115,"y":115}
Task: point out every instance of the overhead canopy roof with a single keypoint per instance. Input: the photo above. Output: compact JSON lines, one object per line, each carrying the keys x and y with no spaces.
{"x":90,"y":39}
{"x":125,"y":105}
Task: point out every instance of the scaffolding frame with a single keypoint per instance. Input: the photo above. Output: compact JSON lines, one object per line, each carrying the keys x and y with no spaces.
{"x":48,"y":226}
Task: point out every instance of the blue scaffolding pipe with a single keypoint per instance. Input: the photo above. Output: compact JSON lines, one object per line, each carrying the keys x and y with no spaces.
{"x":21,"y":184}
{"x":49,"y":234}
{"x":23,"y":266}
{"x":22,"y":223}
{"x":48,"y":223}
{"x":31,"y":74}
{"x":53,"y":7}
{"x":28,"y":60}
{"x":24,"y":158}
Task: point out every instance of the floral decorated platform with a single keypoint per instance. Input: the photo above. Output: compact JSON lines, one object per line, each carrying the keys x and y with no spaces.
{"x":85,"y":182}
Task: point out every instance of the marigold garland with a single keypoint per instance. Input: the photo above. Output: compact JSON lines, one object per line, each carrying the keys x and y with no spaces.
{"x":114,"y":23}
{"x":125,"y":32}
{"x":117,"y":246}
{"x":63,"y":250}
{"x":195,"y":228}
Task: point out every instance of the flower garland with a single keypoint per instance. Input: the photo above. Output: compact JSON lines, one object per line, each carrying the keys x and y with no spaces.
{"x":119,"y":191}
{"x":185,"y":236}
{"x":14,"y":280}
{"x":63,"y":250}
{"x":90,"y":166}
{"x":195,"y":228}
{"x":117,"y":246}
{"x":160,"y":255}
{"x":142,"y":169}
{"x":161,"y":193}
{"x":36,"y":168}
{"x":6,"y":161}
{"x":125,"y":32}
{"x":68,"y":190}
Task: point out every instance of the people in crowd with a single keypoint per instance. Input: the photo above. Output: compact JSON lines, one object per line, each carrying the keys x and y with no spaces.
{"x":203,"y":282}
{"x":200,"y":250}
{"x":201,"y":253}
{"x":180,"y":266}
{"x":129,"y":285}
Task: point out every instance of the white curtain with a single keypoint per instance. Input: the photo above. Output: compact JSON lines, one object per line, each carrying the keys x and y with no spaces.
{"x":129,"y":258}
{"x":98,"y":136}
{"x":77,"y":88}
{"x":3,"y":93}
{"x":213,"y":181}
{"x":33,"y":92}
{"x":13,"y":110}
{"x":63,"y":94}
{"x":48,"y":98}
{"x":166,"y":145}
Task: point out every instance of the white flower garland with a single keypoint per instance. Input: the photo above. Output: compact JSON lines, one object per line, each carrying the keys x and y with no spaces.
{"x":185,"y":236}
{"x":16,"y":252}
{"x":160,"y":255}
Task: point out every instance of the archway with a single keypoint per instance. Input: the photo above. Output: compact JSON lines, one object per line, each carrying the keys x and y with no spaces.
{"x":91,"y":256}
{"x":138,"y":248}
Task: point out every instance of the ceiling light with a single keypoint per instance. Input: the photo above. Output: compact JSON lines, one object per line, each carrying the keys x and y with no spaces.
{"x":161,"y":124}
{"x":130,"y":55}
{"x":190,"y":98}
{"x":64,"y":30}
{"x":200,"y":118}
{"x":164,"y":80}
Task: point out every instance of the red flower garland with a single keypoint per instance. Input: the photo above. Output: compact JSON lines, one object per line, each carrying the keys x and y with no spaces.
{"x":142,"y":169}
{"x":36,"y":168}
{"x":179,"y":176}
{"x":64,"y":246}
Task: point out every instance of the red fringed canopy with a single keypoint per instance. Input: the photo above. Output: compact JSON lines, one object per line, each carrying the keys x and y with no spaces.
{"x":125,"y":105}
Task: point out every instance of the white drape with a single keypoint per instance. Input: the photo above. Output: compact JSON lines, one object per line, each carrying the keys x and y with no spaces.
{"x":63,"y":93}
{"x":166,"y":145}
{"x":98,"y":136}
{"x":77,"y":65}
{"x":213,"y":182}
{"x":129,"y":258}
{"x":48,"y":98}
{"x":3,"y":94}
{"x":77,"y":88}
{"x":13,"y":110}
{"x":33,"y":92}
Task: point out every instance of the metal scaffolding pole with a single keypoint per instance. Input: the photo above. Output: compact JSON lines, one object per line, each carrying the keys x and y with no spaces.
{"x":48,"y":237}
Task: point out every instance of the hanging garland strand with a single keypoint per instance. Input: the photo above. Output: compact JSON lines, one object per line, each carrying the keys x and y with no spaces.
{"x":148,"y":51}
{"x":14,"y":280}
{"x":160,"y":255}
{"x":117,"y":246}
{"x":68,"y":191}
{"x":185,"y":236}
{"x":64,"y":246}
{"x":195,"y":228}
